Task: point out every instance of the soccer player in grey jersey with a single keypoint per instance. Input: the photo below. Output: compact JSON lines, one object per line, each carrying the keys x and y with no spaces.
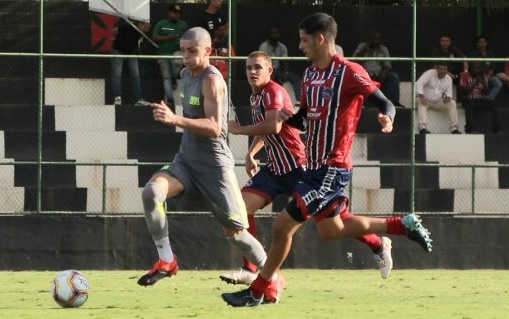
{"x":203,"y":162}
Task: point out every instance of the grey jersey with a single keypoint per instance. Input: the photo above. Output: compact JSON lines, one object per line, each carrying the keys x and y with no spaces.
{"x":203,"y":153}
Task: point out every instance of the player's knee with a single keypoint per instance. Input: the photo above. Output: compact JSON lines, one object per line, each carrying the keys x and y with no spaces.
{"x":284,"y":227}
{"x":150,"y":190}
{"x":151,"y":194}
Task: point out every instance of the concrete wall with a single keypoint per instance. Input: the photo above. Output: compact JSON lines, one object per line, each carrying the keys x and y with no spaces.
{"x":53,"y":242}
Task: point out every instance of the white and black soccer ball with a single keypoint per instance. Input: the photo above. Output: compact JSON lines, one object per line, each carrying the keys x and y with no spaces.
{"x":70,"y":289}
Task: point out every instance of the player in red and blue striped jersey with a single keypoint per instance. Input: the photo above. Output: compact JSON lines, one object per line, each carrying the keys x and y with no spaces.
{"x":285,"y":158}
{"x":333,"y":93}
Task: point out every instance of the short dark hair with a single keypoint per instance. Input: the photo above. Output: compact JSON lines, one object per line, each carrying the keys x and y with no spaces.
{"x":174,"y":8}
{"x":319,"y":22}
{"x":441,"y":63}
{"x":481,"y":37}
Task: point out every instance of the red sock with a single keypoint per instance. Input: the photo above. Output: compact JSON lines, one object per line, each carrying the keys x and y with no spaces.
{"x":373,"y":241}
{"x":252,"y":230}
{"x":394,"y":226}
{"x":252,"y":225}
{"x":259,"y":286}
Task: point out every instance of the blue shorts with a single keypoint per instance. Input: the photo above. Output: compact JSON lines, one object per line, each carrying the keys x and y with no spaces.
{"x":321,"y":193}
{"x":269,"y":185}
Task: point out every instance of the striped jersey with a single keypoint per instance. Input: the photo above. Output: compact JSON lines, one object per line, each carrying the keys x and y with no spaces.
{"x":478,"y":87}
{"x":333,"y":98}
{"x":285,"y":151}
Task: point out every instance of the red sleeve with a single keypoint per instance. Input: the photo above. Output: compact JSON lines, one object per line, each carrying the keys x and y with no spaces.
{"x":357,"y":80}
{"x":273,"y":97}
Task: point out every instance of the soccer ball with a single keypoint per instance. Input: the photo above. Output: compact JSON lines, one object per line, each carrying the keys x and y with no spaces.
{"x":70,"y":289}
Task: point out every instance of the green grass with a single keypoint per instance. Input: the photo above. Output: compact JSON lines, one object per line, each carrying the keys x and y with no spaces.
{"x":345,"y":294}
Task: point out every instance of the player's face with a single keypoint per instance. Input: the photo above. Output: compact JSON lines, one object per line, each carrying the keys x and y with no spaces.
{"x":258,"y":72}
{"x":308,"y":44}
{"x":194,"y":54}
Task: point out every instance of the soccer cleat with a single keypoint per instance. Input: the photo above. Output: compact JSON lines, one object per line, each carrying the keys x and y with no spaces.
{"x":241,"y":276}
{"x":243,"y":298}
{"x":384,"y":258}
{"x":160,"y":270}
{"x":417,"y":232}
{"x":274,"y":290}
{"x":118,"y":100}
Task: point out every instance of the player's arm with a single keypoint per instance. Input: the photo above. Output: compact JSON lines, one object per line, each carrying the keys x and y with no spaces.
{"x":270,"y":125}
{"x":387,"y":110}
{"x":255,"y":146}
{"x":251,"y":162}
{"x":297,"y":120}
{"x":213,"y":89}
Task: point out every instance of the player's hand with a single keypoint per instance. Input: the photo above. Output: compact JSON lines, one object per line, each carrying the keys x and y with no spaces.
{"x":386,"y":123}
{"x":233,"y":127}
{"x":162,"y":113}
{"x":251,"y":166}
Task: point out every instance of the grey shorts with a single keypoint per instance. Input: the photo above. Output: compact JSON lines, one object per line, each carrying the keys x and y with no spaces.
{"x":219,"y":187}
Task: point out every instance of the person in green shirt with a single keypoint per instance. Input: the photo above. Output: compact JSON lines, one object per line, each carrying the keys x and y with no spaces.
{"x":167,"y":34}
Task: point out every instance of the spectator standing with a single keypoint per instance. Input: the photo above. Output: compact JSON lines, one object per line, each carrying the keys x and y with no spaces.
{"x":167,"y":34}
{"x":434,"y":90}
{"x":446,"y":49}
{"x":127,"y":42}
{"x":504,"y":76}
{"x":281,"y":74}
{"x":211,"y":18}
{"x":380,"y":71}
{"x":475,"y":87}
{"x":220,"y":47}
{"x":489,"y":68}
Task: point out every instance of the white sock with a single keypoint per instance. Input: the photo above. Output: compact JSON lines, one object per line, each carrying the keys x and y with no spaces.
{"x":164,"y":249}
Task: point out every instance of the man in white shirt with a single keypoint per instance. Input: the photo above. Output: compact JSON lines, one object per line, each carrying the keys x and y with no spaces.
{"x":434,"y":90}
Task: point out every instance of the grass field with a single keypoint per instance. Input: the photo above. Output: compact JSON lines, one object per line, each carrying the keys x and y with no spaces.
{"x":309,"y":294}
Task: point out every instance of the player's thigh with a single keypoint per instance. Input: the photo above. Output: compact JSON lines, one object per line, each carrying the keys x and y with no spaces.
{"x":222,"y":190}
{"x":170,"y":185}
{"x":330,"y":227}
{"x":253,"y":201}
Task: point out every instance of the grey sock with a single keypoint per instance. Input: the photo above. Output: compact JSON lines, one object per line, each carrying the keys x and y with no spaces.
{"x":250,"y":247}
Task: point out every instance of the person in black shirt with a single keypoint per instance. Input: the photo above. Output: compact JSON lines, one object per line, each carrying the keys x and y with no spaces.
{"x":127,"y":42}
{"x":445,"y":49}
{"x":211,"y":18}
